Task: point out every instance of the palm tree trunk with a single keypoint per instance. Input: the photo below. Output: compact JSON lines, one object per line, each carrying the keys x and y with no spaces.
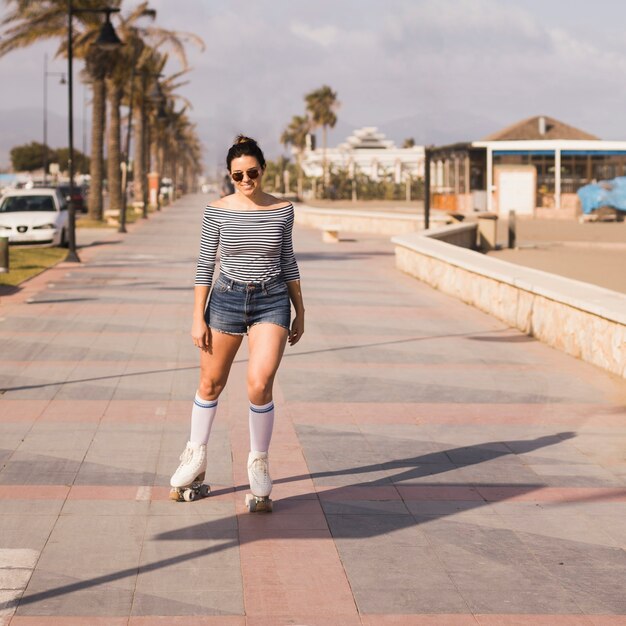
{"x":175,"y":171}
{"x":114,"y":152}
{"x":148,"y":163}
{"x":139,"y":179}
{"x":97,"y":145}
{"x":324,"y":164}
{"x":300,"y":182}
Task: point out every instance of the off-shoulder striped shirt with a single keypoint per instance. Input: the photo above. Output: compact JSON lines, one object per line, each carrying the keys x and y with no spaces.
{"x":254,"y":245}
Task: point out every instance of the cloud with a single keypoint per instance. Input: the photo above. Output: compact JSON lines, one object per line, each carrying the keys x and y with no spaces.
{"x":323,"y":36}
{"x":448,"y":67}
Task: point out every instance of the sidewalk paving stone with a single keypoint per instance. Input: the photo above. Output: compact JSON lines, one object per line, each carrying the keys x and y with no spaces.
{"x":431,"y":466}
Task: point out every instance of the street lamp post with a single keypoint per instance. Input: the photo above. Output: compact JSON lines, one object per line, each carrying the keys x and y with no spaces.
{"x":46,"y":73}
{"x":107,"y":39}
{"x":427,"y":161}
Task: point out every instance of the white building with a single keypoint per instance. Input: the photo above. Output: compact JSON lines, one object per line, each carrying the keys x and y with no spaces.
{"x":367,"y":151}
{"x":533,"y":167}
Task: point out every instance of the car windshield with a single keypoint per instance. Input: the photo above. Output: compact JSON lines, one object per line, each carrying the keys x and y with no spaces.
{"x":15,"y":204}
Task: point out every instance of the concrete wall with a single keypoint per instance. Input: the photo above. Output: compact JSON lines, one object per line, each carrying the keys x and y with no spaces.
{"x":583,"y":320}
{"x":383,"y":223}
{"x":461,"y":235}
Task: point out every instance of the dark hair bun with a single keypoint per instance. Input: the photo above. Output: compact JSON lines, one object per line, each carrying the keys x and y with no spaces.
{"x":243,"y":139}
{"x":245,"y":146}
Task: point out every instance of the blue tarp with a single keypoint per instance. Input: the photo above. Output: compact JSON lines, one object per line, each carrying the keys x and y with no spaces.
{"x":605,"y":193}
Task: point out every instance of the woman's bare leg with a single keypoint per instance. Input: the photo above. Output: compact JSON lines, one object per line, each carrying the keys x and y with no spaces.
{"x":215,"y":363}
{"x":214,"y":369}
{"x":267,"y":344}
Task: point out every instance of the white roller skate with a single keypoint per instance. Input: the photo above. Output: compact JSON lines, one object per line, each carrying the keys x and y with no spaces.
{"x":187,"y":481}
{"x":260,"y":483}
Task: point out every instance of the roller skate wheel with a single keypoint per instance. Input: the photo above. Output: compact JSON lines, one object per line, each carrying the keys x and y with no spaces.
{"x":174,"y":494}
{"x":205,"y":490}
{"x":189,"y":495}
{"x":251,"y":503}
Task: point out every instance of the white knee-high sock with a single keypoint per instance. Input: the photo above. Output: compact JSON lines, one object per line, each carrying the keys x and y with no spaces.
{"x":202,"y":416}
{"x":261,"y":419}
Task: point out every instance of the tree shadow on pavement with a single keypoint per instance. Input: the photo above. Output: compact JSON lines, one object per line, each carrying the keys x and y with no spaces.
{"x":291,"y":355}
{"x":472,"y":495}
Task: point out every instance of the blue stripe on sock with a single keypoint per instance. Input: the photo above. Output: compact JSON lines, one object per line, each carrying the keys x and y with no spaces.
{"x":210,"y":405}
{"x":255,"y":410}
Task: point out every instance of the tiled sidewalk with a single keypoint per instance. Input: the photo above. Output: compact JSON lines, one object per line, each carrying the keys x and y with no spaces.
{"x":431,"y":466}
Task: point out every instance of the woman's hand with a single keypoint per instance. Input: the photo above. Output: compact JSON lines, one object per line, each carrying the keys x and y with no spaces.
{"x":297,"y":330}
{"x":201,"y":335}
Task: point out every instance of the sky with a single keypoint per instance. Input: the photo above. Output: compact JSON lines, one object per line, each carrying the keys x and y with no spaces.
{"x":439,"y":71}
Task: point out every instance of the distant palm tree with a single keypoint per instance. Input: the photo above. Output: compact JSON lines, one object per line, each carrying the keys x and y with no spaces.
{"x":149,"y":67}
{"x":321,"y":105}
{"x":295,"y":135}
{"x":162,"y":123}
{"x":133,"y":59}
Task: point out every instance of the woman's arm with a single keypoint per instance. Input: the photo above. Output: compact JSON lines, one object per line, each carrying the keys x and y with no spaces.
{"x":297,"y":326}
{"x":291,"y":273}
{"x":209,"y":242}
{"x":200,"y":332}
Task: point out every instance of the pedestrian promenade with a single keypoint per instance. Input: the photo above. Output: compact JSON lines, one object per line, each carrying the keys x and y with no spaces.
{"x":431,"y":466}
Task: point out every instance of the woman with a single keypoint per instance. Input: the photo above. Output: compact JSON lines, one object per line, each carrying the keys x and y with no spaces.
{"x":258,"y":278}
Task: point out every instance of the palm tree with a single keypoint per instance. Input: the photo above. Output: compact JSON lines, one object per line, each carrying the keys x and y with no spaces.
{"x":148,"y":69}
{"x":95,"y":68}
{"x":139,"y":51}
{"x":151,"y":65}
{"x":321,"y":105}
{"x":295,"y":136}
{"x":30,"y":22}
{"x":165,"y":124}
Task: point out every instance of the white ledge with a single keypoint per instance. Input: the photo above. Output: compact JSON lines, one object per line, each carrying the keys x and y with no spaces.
{"x":604,"y":303}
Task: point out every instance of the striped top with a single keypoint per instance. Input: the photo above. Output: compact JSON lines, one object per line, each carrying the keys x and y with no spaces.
{"x":254,"y":245}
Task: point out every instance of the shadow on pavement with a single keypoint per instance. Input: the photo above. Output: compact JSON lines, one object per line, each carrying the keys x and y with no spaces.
{"x":413,"y":468}
{"x":508,"y":339}
{"x":97,"y":243}
{"x":9,"y":290}
{"x":58,"y":300}
{"x":285,"y":356}
{"x":343,"y":256}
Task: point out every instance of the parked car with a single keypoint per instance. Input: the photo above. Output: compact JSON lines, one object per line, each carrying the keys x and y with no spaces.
{"x":80,"y":206}
{"x":34,"y":216}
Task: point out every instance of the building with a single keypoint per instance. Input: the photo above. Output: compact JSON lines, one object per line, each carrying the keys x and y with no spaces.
{"x":369,"y":152}
{"x":533,"y":167}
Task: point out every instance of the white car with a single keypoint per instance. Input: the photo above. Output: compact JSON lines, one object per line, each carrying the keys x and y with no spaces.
{"x":34,"y":216}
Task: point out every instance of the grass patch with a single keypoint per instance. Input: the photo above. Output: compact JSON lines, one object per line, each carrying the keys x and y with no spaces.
{"x":86,"y":222}
{"x":27,"y":262}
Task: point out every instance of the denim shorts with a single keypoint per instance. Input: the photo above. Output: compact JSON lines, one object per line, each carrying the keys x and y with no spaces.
{"x":234,"y":306}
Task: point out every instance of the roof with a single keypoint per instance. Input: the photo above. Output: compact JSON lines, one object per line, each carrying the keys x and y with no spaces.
{"x":367,"y":138}
{"x":540,"y":127}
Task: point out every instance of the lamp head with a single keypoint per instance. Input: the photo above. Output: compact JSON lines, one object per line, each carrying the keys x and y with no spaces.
{"x":108,"y":39}
{"x":161,"y":113}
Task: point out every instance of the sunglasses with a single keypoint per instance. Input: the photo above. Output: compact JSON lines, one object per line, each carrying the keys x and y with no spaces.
{"x":252,"y":174}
